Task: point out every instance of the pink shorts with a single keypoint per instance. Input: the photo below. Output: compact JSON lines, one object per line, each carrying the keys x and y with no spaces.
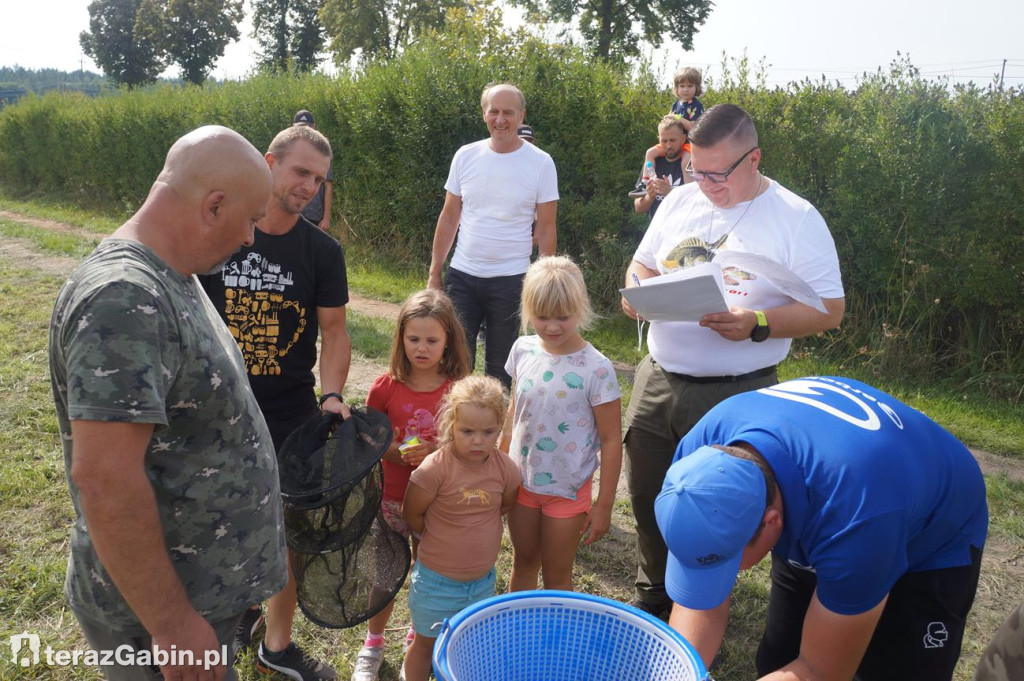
{"x":558,"y":507}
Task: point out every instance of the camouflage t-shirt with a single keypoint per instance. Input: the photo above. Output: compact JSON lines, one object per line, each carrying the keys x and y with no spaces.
{"x":131,"y":340}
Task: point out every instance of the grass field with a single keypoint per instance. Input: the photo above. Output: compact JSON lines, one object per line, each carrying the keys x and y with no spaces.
{"x":36,"y":509}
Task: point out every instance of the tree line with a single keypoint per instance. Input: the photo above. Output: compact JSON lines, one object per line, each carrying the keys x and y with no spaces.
{"x":17,"y":81}
{"x":134,"y":41}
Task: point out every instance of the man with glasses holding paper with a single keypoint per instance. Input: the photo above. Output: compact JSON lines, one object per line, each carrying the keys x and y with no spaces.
{"x":693,"y":365}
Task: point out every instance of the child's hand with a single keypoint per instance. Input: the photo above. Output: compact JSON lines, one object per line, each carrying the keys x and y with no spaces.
{"x":413,"y":455}
{"x":598,"y":521}
{"x":654,"y":152}
{"x":393,"y":455}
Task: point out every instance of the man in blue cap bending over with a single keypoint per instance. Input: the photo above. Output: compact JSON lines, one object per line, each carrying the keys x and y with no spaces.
{"x":875,"y":517}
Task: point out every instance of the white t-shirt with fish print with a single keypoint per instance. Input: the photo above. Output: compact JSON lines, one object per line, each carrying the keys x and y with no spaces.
{"x":778,"y":225}
{"x":554,"y":432}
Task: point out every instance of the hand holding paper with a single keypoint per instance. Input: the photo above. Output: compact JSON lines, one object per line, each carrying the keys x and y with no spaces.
{"x":684,"y":295}
{"x":687,"y":294}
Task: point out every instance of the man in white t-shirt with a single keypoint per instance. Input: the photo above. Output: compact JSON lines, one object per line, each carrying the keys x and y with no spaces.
{"x":494,"y":189}
{"x":692,"y":366}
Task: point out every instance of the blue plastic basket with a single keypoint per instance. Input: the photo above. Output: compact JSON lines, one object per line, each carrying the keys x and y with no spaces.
{"x":561,"y":636}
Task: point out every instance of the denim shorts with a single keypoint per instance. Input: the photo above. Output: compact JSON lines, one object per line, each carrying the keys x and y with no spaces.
{"x":434,"y":597}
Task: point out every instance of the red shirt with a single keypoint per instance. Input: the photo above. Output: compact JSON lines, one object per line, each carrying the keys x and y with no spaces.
{"x":412,"y":413}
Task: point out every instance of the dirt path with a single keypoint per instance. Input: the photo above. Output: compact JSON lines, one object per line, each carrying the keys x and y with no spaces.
{"x":49,"y":225}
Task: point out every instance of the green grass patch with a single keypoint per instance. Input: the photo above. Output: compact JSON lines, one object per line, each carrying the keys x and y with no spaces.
{"x":34,"y":500}
{"x":371,"y":336}
{"x":383,"y":281}
{"x":57,"y":243}
{"x":48,"y":208}
{"x":1006,"y":507}
{"x":615,"y":335}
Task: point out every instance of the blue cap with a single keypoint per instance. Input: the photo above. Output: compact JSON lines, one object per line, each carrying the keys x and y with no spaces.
{"x":709,"y":508}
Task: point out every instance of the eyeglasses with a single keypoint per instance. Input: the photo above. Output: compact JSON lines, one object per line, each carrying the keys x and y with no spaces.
{"x":715,"y":178}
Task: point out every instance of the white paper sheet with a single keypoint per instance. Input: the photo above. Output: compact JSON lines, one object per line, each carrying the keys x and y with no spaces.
{"x":684,"y":295}
{"x":781,"y":277}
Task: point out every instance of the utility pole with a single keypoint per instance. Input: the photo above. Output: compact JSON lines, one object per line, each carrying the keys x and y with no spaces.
{"x":1001,"y":74}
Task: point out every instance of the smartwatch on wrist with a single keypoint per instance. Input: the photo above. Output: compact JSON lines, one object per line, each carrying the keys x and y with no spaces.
{"x":761,"y":330}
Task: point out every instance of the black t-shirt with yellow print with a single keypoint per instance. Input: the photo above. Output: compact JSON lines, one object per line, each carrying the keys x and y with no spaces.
{"x":268,"y":295}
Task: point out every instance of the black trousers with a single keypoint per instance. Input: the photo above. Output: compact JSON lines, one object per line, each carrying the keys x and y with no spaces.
{"x":496,"y":300}
{"x":919,"y":634}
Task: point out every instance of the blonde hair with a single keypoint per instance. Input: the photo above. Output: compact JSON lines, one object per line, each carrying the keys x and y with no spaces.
{"x":480,"y":391}
{"x":671,"y":121}
{"x":286,"y":139}
{"x":553,"y":287}
{"x":689,"y":74}
{"x":437,"y":306}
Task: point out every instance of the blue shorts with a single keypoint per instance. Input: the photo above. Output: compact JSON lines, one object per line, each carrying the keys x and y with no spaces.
{"x":433,"y":597}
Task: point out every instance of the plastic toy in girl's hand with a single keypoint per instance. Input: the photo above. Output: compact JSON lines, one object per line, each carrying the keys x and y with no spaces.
{"x":410,"y":442}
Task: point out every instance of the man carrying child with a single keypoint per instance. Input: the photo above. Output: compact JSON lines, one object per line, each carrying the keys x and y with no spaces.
{"x":668,"y":169}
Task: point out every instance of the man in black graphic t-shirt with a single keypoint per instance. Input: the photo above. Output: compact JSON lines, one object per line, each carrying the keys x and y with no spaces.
{"x":275,"y":296}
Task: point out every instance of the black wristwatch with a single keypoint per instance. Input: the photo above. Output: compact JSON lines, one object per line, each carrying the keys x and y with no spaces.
{"x":761,"y":330}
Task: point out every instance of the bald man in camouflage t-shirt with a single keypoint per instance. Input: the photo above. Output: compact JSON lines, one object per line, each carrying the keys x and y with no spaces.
{"x":171,"y":469}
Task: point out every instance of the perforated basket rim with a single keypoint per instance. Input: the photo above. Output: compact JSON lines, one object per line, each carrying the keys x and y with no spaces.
{"x":527,"y":600}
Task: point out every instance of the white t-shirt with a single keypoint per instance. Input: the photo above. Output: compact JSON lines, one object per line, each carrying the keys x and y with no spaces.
{"x":778,"y":225}
{"x":554,"y":432}
{"x":500,"y":193}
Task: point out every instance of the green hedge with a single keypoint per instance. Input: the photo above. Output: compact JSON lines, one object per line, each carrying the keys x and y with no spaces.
{"x":921,"y":185}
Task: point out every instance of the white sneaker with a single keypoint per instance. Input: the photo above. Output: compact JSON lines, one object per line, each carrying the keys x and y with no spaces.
{"x":368,"y":663}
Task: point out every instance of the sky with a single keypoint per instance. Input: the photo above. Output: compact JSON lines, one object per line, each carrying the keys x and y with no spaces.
{"x":795,"y":38}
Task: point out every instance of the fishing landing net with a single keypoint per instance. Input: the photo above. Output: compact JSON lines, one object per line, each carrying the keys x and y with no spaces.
{"x":348,"y":562}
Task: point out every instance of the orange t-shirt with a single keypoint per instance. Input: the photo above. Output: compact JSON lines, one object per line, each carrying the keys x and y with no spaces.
{"x":462,"y":528}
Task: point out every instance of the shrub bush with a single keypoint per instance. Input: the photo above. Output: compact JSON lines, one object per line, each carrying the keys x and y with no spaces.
{"x":920,"y":184}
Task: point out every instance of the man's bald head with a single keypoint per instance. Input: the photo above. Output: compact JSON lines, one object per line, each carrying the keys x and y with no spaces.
{"x":494,"y":88}
{"x":212,"y":158}
{"x":206,"y":201}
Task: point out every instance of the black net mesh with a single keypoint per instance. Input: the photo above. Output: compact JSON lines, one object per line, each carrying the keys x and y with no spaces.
{"x":343,"y":588}
{"x":340,"y":522}
{"x":327,"y":456}
{"x":348,"y":563}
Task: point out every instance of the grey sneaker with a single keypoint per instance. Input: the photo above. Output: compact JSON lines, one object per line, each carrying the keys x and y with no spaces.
{"x":638,"y":191}
{"x":294,"y":663}
{"x":368,"y":663}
